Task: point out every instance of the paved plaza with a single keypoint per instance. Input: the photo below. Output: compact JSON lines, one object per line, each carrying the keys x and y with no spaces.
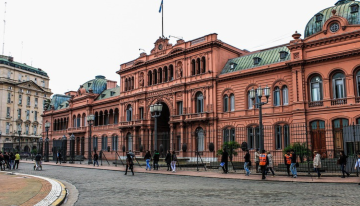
{"x":106,"y":187}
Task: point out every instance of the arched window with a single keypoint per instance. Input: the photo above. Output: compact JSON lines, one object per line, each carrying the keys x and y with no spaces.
{"x":198,"y":66}
{"x":226,"y":103}
{"x":155,"y":76}
{"x":282,"y":135}
{"x":78,"y":121}
{"x":165,"y":74}
{"x":229,"y":135}
{"x":129,"y":113}
{"x":285,"y":95}
{"x":132,"y":82}
{"x":149,"y":78}
{"x":74,"y":121}
{"x":116,"y":116}
{"x":358,"y":120}
{"x":193,"y":67}
{"x":171,"y":72}
{"x":338,"y":128}
{"x":106,"y":117}
{"x":96,"y":122}
{"x":203,"y":61}
{"x":316,"y":89}
{"x":83,"y":120}
{"x":104,"y":140}
{"x":199,"y":103}
{"x":129,"y":141}
{"x":160,"y":75}
{"x":358,"y":83}
{"x":95,"y":143}
{"x":253,"y":137}
{"x":232,"y":102}
{"x":126,"y":84}
{"x":200,"y":139}
{"x":276,"y":96}
{"x":250,"y":101}
{"x":101,"y":118}
{"x":338,"y":82}
{"x":114,"y":142}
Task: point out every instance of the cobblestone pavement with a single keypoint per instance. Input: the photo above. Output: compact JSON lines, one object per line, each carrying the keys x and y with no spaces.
{"x":103,"y":187}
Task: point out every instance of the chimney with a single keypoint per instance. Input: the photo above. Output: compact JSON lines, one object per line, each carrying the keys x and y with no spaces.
{"x":110,"y":84}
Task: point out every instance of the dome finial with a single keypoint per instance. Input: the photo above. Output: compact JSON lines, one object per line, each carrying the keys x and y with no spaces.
{"x":296,"y":35}
{"x":333,"y":12}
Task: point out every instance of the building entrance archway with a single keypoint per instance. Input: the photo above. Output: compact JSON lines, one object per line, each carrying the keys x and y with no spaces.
{"x":163,"y":140}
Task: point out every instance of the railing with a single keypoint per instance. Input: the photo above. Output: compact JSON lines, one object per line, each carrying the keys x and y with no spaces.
{"x":338,"y":102}
{"x":103,"y":127}
{"x":77,"y":129}
{"x":316,"y":104}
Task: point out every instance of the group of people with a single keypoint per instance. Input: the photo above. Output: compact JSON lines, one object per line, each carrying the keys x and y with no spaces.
{"x":9,"y":160}
{"x":170,"y":160}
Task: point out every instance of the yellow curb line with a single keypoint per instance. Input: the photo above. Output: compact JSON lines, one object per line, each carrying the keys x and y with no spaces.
{"x":62,"y":196}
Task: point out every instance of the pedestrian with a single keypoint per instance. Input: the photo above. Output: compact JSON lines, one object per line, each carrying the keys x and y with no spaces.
{"x":17,"y":160}
{"x":342,"y":161}
{"x":224,"y":161}
{"x":12,"y":160}
{"x":96,"y":158}
{"x":38,"y":161}
{"x":287,"y":161}
{"x":156,"y":160}
{"x":58,"y":157}
{"x":357,"y":164}
{"x":147,"y":159}
{"x":293,"y":163}
{"x":173,"y":161}
{"x":2,"y":162}
{"x":263,"y":162}
{"x":257,"y":154}
{"x":129,"y":163}
{"x":317,"y":163}
{"x":247,"y":163}
{"x":7,"y":160}
{"x":271,"y":164}
{"x":168,"y":161}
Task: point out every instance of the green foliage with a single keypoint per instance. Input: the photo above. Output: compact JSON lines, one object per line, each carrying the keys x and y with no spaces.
{"x":231,"y":148}
{"x":34,"y":151}
{"x":299,"y":148}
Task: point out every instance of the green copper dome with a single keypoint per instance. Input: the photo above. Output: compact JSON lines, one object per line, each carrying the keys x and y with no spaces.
{"x":98,"y":84}
{"x":348,"y":9}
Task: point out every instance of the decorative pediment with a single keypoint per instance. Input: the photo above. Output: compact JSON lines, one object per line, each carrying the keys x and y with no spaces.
{"x":30,"y":85}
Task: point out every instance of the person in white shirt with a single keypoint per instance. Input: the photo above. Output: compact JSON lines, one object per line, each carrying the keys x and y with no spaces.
{"x":257,"y":155}
{"x":357,"y":165}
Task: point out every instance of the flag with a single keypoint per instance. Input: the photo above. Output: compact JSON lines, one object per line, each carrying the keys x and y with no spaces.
{"x":161,"y":5}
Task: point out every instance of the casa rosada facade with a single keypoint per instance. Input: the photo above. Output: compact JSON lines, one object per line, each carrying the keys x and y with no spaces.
{"x":204,"y":86}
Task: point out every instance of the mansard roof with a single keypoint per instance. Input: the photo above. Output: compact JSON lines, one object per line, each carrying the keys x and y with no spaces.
{"x":98,"y":84}
{"x":58,"y":99}
{"x":109,"y":93}
{"x":267,"y":57}
{"x":9,"y":61}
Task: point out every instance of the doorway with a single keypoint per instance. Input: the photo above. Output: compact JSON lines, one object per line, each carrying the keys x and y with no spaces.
{"x":318,"y":137}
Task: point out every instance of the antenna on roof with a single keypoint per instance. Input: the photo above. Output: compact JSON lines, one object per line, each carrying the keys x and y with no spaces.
{"x":180,"y":38}
{"x":142,"y":50}
{"x":4,"y":30}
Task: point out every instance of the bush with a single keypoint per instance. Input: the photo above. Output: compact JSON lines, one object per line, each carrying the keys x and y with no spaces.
{"x":231,"y":148}
{"x":300,"y":149}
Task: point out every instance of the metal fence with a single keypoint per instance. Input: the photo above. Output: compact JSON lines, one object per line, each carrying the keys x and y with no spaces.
{"x":201,"y":149}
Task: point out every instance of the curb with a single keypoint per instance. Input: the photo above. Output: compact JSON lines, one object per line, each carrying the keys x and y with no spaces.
{"x":62,"y":196}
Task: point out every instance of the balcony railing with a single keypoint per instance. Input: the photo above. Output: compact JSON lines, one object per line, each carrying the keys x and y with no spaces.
{"x":316,"y":104}
{"x":338,"y":102}
{"x":77,"y":129}
{"x":104,"y":127}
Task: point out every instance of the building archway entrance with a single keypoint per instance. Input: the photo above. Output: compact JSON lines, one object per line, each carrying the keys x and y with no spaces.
{"x":163,"y":140}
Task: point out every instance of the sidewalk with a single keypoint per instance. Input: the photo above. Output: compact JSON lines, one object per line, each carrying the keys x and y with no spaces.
{"x":21,"y":189}
{"x":208,"y":174}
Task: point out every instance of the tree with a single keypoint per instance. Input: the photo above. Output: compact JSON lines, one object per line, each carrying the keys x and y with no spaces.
{"x":231,"y":148}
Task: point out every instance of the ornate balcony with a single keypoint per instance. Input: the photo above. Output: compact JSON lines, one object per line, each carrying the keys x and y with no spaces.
{"x":316,"y":104}
{"x":338,"y":102}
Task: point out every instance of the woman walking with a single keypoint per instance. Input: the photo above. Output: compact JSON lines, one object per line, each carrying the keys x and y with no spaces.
{"x":173,"y":162}
{"x":129,"y":163}
{"x":317,"y":163}
{"x":147,"y":159}
{"x":342,"y":162}
{"x":271,"y":164}
{"x":168,"y":160}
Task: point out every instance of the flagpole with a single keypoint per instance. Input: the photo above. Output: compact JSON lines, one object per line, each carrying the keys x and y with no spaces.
{"x":162,"y":12}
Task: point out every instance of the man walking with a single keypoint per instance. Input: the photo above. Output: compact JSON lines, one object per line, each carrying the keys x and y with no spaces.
{"x":7,"y":160}
{"x":293,"y":163}
{"x":156,"y":160}
{"x":168,"y":160}
{"x":257,"y":154}
{"x":129,"y":163}
{"x":58,"y":157}
{"x":96,"y":158}
{"x":263,"y":162}
{"x":287,"y":160}
{"x":247,"y":162}
{"x":17,"y":160}
{"x":224,"y":161}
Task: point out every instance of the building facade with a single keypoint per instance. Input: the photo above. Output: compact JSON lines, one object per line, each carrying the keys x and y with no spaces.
{"x":204,"y":87}
{"x":23,"y":90}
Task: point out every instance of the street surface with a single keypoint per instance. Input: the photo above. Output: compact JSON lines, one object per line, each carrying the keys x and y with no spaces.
{"x":103,"y":187}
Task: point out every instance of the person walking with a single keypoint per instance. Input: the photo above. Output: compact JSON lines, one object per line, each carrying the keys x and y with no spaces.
{"x":7,"y":160}
{"x":173,"y":161}
{"x":17,"y":160}
{"x":156,"y":160}
{"x":293,"y":163}
{"x":129,"y":163}
{"x":2,"y":162}
{"x":147,"y":159}
{"x":317,"y":163}
{"x":257,"y":154}
{"x":96,"y":158}
{"x":58,"y":157}
{"x":271,"y":164}
{"x":263,"y":162}
{"x":247,"y":163}
{"x":287,"y":161}
{"x":342,"y":162}
{"x":12,"y":160}
{"x":357,"y":164}
{"x":38,"y":161}
{"x":224,"y":161}
{"x":168,"y":160}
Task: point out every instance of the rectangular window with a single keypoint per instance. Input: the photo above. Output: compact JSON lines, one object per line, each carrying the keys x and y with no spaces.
{"x":285,"y":96}
{"x":104,"y":143}
{"x":20,"y":99}
{"x":226,"y":135}
{"x":7,"y":127}
{"x":19,"y":113}
{"x":232,"y":102}
{"x":27,"y":78}
{"x":36,"y":102}
{"x":141,"y":111}
{"x":19,"y":78}
{"x":35,"y":129}
{"x":114,"y":143}
{"x":278,"y":137}
{"x":27,"y":129}
{"x":178,"y":143}
{"x":35,"y":115}
{"x":277,"y":97}
{"x":43,"y":84}
{"x":95,"y":143}
{"x":8,"y":112}
{"x":9,"y":98}
{"x":28,"y":101}
{"x":27,"y":114}
{"x":250,"y":138}
{"x":339,"y":88}
{"x":286,"y":136}
{"x":180,"y":108}
{"x":9,"y":74}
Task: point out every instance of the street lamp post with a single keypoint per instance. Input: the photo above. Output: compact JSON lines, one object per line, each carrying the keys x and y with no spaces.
{"x":72,"y":147}
{"x":90,"y":120}
{"x":41,"y":146}
{"x":47,"y":126}
{"x":19,"y":132}
{"x":155,"y":113}
{"x":259,"y":93}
